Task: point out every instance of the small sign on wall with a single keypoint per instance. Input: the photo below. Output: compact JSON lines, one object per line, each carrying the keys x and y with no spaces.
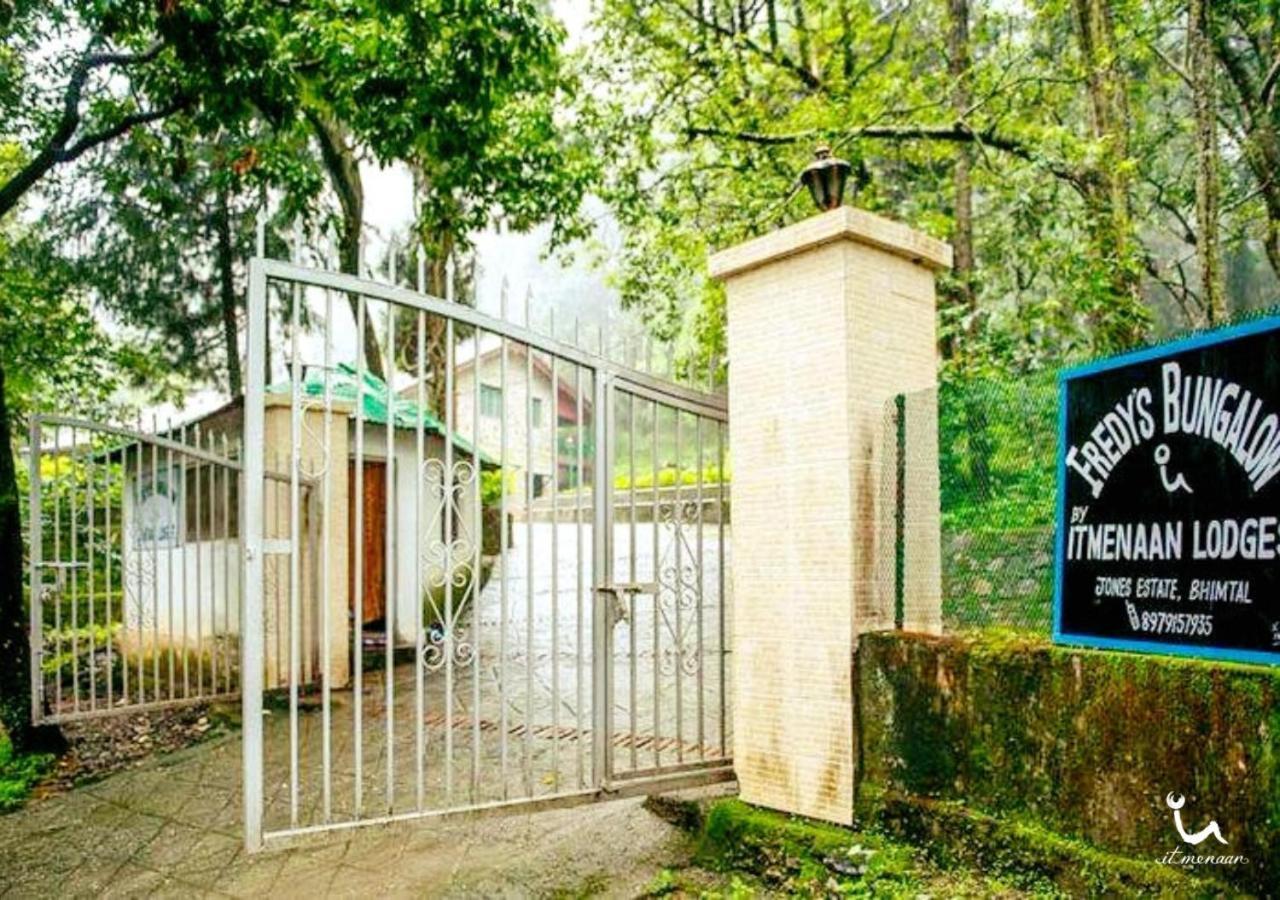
{"x":157,"y":506}
{"x":1168,"y":533}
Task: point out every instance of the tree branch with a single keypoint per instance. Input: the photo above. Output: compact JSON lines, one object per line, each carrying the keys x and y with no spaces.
{"x":778,"y":58}
{"x":55,"y":149}
{"x":89,"y":141}
{"x":957,"y":133}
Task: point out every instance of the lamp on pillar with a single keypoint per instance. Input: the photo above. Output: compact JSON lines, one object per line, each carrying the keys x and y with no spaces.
{"x":825,"y":178}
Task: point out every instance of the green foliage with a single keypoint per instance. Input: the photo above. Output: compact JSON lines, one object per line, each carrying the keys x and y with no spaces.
{"x":19,"y":773}
{"x":669,"y":476}
{"x":495,"y":482}
{"x":1080,"y":147}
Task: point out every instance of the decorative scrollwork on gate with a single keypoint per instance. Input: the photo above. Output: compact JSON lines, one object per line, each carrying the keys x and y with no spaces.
{"x":678,"y":585}
{"x":447,"y":560}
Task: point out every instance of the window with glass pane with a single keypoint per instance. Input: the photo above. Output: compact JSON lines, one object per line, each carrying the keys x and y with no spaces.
{"x":490,"y":401}
{"x":537,"y":412}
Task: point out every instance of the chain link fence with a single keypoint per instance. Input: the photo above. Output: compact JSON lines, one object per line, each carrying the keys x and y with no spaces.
{"x":997,"y":443}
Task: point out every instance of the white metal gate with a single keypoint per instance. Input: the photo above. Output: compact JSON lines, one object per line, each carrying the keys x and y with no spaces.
{"x":134,"y":567}
{"x":516,"y":577}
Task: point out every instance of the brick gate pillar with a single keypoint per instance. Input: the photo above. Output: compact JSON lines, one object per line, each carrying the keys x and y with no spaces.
{"x":828,"y":320}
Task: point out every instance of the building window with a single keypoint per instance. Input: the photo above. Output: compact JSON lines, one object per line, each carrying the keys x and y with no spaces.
{"x":490,"y":401}
{"x":537,"y":413}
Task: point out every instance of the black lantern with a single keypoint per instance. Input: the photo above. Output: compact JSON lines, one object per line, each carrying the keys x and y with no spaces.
{"x":825,"y":178}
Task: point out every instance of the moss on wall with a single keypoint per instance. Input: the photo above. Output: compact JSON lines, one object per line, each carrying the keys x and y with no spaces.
{"x":1086,"y":743}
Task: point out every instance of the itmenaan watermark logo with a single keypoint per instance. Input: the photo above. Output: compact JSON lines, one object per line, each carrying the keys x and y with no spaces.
{"x":1190,"y":859}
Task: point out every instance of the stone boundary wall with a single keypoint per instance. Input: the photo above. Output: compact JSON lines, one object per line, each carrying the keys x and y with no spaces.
{"x":1085,"y":743}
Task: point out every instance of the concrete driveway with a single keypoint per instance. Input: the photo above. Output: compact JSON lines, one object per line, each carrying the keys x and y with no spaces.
{"x":171,"y":828}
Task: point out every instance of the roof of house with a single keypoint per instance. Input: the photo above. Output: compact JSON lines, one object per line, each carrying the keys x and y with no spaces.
{"x":345,"y":383}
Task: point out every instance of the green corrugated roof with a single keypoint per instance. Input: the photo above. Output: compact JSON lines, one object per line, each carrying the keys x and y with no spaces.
{"x":373,"y":402}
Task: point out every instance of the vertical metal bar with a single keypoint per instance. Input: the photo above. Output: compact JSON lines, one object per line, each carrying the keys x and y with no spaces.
{"x":211,"y":540}
{"x":722,"y":594}
{"x":657,"y":596}
{"x":240,"y":504}
{"x":295,"y":538}
{"x":528,"y":552}
{"x":73,"y":524}
{"x":183,"y":500}
{"x":504,"y":609}
{"x":169,"y":569}
{"x":280,"y":589}
{"x":357,"y":630}
{"x":419,"y":647}
{"x":107,"y":613}
{"x":677,"y":524}
{"x":632,"y":624}
{"x":214,"y":471}
{"x":389,"y":567}
{"x":579,"y":681}
{"x":137,"y":549}
{"x":326,"y":626}
{"x":476,"y":580}
{"x":602,"y":744}
{"x":91,"y":534}
{"x":447,"y":511}
{"x":702,"y":749}
{"x":553,"y":428}
{"x":224,"y":645}
{"x":35,"y":611}
{"x":58,"y":488}
{"x":199,"y":523}
{"x":155,"y":568}
{"x":251,"y":679}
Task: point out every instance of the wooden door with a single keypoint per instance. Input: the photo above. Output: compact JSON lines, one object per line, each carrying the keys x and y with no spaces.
{"x":374,"y":549}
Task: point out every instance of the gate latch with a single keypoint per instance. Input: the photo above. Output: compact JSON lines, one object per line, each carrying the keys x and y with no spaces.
{"x":618,"y":611}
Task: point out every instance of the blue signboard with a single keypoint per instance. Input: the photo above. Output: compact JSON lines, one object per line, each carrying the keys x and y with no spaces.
{"x":1168,"y":518}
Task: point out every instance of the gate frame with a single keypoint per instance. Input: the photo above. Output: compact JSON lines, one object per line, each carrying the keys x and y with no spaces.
{"x":607,"y":376}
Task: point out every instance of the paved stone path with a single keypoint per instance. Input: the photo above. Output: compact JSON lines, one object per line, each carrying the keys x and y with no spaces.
{"x":172,"y":828}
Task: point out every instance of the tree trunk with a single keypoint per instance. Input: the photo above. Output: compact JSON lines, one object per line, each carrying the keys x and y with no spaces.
{"x":344,"y":174}
{"x":1118,"y":320}
{"x":804,"y":44}
{"x":962,"y":287}
{"x":1204,"y":101}
{"x":227,"y":292}
{"x":15,"y":651}
{"x":1205,"y":104}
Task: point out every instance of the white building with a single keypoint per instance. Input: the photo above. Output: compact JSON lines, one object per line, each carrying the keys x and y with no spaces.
{"x":181,"y":528}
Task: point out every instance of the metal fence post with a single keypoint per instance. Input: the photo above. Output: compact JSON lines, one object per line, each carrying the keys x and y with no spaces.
{"x":35,"y":609}
{"x":601,"y":744}
{"x":251,"y":675}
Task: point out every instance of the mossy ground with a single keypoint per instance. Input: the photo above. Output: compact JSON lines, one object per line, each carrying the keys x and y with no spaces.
{"x":743,"y":851}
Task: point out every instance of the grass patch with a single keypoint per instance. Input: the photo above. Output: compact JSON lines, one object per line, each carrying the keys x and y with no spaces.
{"x":802,"y":857}
{"x":19,"y":773}
{"x":943,"y":851}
